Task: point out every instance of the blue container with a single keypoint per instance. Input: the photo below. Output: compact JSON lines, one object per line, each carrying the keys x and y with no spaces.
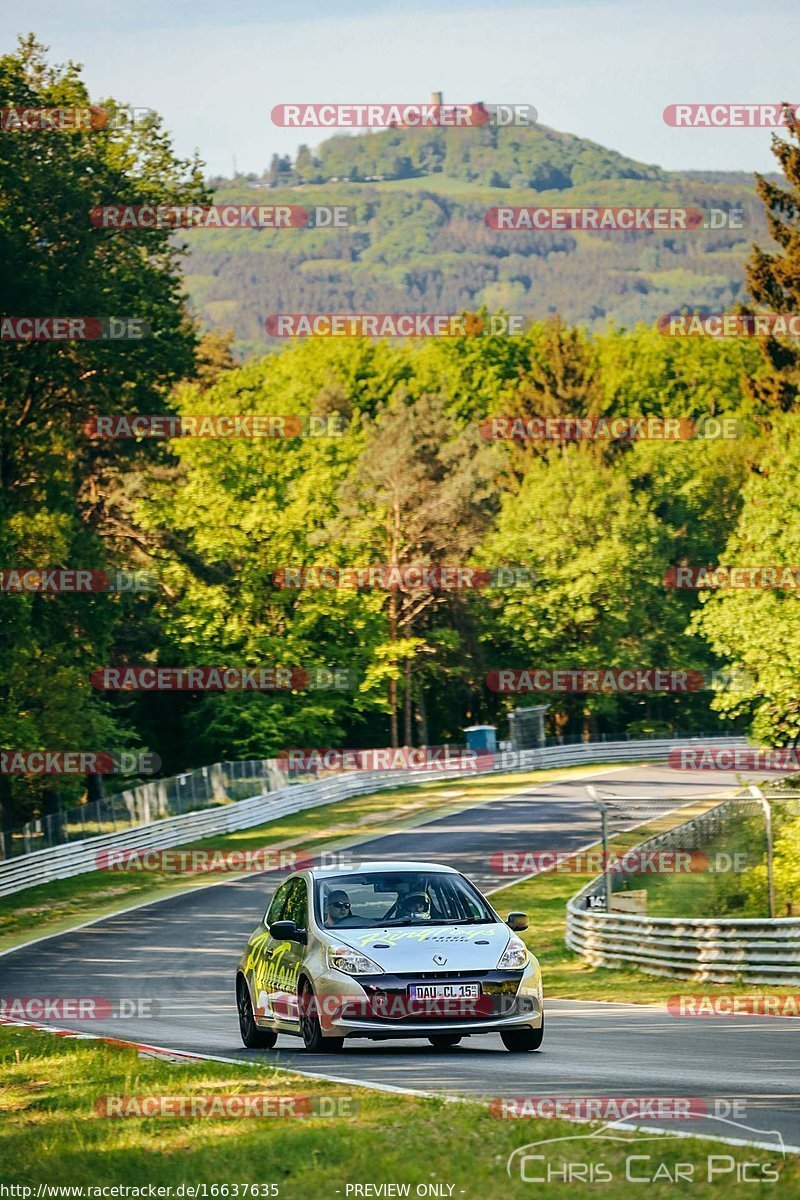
{"x":482,"y":737}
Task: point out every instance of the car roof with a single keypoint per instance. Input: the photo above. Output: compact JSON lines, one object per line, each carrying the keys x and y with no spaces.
{"x":391,"y":866}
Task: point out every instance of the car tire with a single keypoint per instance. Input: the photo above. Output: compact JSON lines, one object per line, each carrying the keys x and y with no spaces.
{"x":252,"y":1037}
{"x":444,"y":1041}
{"x":310,"y":1028}
{"x":520,"y":1040}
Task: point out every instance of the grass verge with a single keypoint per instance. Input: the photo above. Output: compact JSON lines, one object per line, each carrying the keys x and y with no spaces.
{"x":51,"y":1134}
{"x":566,"y":975}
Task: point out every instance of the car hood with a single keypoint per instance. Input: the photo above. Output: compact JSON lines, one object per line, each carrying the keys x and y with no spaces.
{"x":417,"y":947}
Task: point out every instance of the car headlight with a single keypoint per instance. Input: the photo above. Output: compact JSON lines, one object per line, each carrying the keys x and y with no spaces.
{"x":514,"y":956}
{"x":342,"y":958}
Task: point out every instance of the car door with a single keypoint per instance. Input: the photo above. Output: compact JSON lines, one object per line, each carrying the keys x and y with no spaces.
{"x":288,"y":955}
{"x":263,"y":947}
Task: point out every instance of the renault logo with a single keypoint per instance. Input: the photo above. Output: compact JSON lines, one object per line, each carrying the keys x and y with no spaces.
{"x":439,"y":959}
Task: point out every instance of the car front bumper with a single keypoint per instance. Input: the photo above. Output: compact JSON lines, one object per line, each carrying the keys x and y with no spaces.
{"x":381,"y":1006}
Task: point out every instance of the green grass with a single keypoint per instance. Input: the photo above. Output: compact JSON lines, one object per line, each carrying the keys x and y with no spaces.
{"x":706,"y":892}
{"x":735,"y":885}
{"x":53,"y":907}
{"x":51,"y":1133}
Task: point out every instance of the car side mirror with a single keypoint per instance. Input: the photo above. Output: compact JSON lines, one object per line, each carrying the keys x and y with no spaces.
{"x":287,"y":931}
{"x":517,"y":921}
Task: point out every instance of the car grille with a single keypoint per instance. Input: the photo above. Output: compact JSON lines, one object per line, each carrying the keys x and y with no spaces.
{"x":389,"y":998}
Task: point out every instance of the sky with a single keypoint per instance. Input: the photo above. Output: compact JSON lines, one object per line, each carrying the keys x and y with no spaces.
{"x":603,"y":71}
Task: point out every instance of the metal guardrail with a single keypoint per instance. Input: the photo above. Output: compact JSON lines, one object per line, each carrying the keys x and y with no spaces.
{"x":715,"y":950}
{"x":76,"y":858}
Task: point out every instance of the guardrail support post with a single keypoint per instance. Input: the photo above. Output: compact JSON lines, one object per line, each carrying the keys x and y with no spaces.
{"x":595,"y":796}
{"x":758,"y":795}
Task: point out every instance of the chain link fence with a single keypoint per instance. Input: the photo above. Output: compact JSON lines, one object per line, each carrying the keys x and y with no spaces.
{"x":193,"y":791}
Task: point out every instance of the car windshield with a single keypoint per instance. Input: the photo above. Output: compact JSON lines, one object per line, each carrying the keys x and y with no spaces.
{"x":376,"y":899}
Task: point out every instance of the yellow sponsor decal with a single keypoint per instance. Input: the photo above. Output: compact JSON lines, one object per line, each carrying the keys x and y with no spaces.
{"x":393,"y":936}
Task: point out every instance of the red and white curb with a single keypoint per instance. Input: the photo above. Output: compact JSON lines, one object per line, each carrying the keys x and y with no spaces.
{"x":145,"y":1050}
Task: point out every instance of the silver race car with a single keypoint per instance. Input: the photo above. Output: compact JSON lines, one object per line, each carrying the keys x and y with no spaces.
{"x":387,"y":950}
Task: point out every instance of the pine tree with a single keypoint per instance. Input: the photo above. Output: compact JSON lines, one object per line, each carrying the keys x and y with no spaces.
{"x":773,"y":278}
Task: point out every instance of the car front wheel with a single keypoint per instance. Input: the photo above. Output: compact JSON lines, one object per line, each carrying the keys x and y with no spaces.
{"x":310,"y":1027}
{"x":252,"y":1037}
{"x":520,"y":1040}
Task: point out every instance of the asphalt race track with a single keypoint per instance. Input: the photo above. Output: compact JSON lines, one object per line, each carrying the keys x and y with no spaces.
{"x":182,"y":951}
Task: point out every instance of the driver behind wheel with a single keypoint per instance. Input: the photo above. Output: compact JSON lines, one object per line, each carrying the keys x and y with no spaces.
{"x":416,"y":905}
{"x":337,"y":908}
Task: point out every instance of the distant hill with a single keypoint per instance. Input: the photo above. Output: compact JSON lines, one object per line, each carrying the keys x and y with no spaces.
{"x":536,"y":157}
{"x":418,"y":240}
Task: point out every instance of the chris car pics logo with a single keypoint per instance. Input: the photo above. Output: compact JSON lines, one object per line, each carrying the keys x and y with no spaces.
{"x":617,"y":1153}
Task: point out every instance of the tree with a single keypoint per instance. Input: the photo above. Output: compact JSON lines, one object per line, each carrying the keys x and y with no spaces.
{"x":773,"y":278}
{"x":56,"y":484}
{"x":280,"y":169}
{"x":421,"y":496}
{"x":562,"y":380}
{"x":238,"y":511}
{"x":597,"y":556}
{"x":757,"y":631}
{"x":306,"y":168}
{"x":214,"y":355}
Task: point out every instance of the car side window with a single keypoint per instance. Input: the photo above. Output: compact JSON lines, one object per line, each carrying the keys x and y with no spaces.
{"x":297,"y":904}
{"x":276,"y":908}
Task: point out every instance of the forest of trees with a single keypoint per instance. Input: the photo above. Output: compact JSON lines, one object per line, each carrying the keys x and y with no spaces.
{"x":429,"y":250}
{"x":407,"y":478}
{"x":417,"y":239}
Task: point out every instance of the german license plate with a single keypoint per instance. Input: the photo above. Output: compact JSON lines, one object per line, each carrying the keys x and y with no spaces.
{"x":444,"y":991}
